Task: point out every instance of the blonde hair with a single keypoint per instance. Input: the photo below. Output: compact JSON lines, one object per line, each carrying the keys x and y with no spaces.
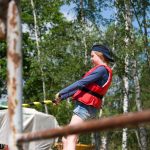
{"x":101,"y":56}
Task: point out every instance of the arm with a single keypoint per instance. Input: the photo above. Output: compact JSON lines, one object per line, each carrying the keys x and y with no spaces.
{"x":93,"y":77}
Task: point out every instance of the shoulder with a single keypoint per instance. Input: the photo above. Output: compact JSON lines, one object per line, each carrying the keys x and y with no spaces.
{"x":101,"y":69}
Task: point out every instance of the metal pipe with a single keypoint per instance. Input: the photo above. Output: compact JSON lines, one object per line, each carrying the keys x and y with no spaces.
{"x":14,"y":72}
{"x":2,"y":29}
{"x":120,"y":121}
{"x":3,"y":15}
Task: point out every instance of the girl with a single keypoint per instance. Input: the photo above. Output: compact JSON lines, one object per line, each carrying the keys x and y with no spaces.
{"x":88,"y":91}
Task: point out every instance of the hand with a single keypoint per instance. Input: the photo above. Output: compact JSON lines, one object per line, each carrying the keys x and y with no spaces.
{"x":57,"y":99}
{"x":57,"y":96}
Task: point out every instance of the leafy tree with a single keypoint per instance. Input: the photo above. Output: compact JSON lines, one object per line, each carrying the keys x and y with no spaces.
{"x":3,"y":72}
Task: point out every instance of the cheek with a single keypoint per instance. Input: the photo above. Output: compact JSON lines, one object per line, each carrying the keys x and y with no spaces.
{"x":92,"y":60}
{"x":95,"y":61}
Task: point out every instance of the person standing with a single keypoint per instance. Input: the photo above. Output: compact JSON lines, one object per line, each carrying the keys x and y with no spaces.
{"x":88,"y":92}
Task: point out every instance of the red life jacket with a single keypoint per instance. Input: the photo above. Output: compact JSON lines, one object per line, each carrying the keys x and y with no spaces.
{"x":87,"y":97}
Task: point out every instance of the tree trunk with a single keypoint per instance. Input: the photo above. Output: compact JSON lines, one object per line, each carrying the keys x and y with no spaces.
{"x":125,"y":78}
{"x":96,"y":137}
{"x":143,"y":25}
{"x":145,"y":39}
{"x":125,"y":102}
{"x":142,"y":132}
{"x":104,"y":142}
{"x":83,"y":27}
{"x":39,"y":54}
{"x":137,"y":87}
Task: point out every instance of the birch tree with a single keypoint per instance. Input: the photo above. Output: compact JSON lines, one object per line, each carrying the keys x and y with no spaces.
{"x":142,"y":141}
{"x":141,"y":10}
{"x":39,"y":53}
{"x":83,"y":30}
{"x":127,"y":18}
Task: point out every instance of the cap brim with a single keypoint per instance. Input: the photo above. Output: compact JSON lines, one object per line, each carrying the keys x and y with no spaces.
{"x":108,"y":57}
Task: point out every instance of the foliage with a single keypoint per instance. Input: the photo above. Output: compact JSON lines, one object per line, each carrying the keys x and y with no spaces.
{"x":3,"y":72}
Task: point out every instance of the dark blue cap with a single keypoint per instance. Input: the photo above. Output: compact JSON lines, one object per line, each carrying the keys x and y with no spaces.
{"x":104,"y":50}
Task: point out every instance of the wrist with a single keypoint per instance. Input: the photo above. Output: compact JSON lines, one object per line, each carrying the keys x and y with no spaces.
{"x":58,"y":96}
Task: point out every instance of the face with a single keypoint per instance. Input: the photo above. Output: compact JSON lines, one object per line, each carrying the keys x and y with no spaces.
{"x":95,"y":59}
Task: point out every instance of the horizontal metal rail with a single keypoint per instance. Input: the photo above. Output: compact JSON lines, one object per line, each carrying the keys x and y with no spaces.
{"x":120,"y":121}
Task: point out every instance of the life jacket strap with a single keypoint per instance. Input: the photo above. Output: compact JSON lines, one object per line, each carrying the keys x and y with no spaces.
{"x":91,"y":92}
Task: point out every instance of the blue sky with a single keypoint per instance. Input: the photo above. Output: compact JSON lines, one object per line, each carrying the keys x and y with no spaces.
{"x":69,"y":13}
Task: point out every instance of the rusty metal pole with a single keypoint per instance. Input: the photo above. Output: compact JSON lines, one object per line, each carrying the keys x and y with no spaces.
{"x":3,"y":12}
{"x":126,"y":120}
{"x":14,"y":72}
{"x":2,"y":29}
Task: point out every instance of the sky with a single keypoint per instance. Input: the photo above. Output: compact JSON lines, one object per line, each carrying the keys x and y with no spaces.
{"x":69,"y":13}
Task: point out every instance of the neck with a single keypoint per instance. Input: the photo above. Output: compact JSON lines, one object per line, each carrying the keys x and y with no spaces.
{"x":100,"y":64}
{"x":103,"y":63}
